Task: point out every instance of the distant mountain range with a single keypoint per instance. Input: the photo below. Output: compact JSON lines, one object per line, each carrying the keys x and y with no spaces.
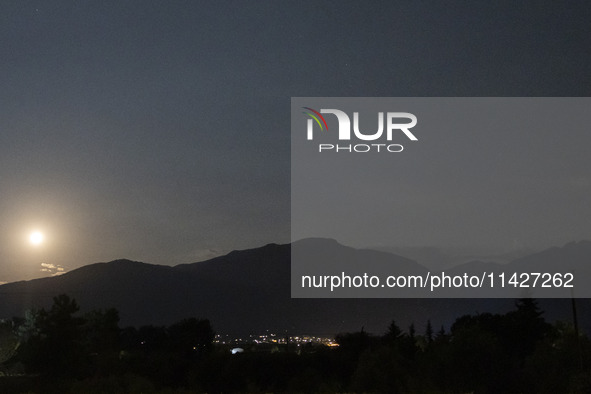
{"x":442,"y":258}
{"x":248,"y":291}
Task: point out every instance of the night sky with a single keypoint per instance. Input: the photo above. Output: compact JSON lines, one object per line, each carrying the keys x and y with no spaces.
{"x":160,"y":131}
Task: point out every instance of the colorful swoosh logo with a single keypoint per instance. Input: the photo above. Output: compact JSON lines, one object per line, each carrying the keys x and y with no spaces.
{"x":316,"y":115}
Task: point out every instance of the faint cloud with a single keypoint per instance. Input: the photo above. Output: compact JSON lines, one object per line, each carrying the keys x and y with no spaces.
{"x":52,"y":269}
{"x":205,"y":254}
{"x":198,"y":255}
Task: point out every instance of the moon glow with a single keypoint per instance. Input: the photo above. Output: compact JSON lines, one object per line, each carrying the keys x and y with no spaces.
{"x":36,"y":238}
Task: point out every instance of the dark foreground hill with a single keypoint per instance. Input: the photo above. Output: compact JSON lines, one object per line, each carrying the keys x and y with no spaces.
{"x":243,"y":292}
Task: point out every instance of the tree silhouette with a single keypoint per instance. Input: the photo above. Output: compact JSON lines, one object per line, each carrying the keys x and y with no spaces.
{"x":191,"y":337}
{"x":8,"y":341}
{"x":429,"y":332}
{"x":512,"y":352}
{"x":102,"y":339}
{"x":56,"y":348}
{"x":393,"y":333}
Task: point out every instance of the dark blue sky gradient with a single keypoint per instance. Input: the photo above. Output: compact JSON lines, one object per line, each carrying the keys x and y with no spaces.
{"x":159,"y":131}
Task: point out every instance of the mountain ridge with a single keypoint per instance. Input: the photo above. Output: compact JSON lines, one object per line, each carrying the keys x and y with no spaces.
{"x":243,"y":291}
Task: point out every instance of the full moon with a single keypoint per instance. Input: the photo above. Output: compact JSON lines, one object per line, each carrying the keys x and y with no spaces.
{"x":36,"y":238}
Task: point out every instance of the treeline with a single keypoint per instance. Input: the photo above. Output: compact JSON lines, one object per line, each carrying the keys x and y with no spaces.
{"x":59,"y":350}
{"x":517,"y":352}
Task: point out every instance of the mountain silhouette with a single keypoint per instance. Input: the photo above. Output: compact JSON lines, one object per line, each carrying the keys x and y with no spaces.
{"x":243,"y":292}
{"x":574,"y":257}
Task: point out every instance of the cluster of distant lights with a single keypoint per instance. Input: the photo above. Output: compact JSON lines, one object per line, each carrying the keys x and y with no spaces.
{"x":275,"y":339}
